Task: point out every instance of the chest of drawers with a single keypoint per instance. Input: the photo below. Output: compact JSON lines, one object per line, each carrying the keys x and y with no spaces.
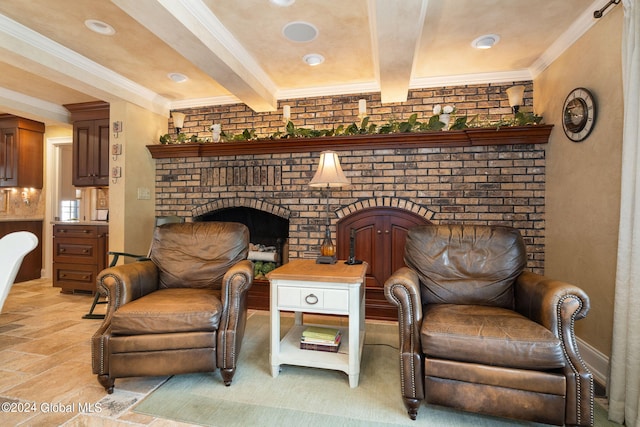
{"x":79,"y":254}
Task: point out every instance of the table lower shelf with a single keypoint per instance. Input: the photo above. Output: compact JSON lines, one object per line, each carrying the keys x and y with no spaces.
{"x":291,"y":354}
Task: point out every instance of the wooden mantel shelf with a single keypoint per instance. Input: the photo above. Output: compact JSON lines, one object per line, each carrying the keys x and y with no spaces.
{"x":461,"y":138}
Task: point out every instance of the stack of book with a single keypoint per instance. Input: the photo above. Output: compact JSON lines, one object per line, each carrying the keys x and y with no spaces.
{"x":321,"y":339}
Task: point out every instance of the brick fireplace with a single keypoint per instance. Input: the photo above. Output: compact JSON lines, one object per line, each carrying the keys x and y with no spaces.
{"x":472,"y":176}
{"x":494,"y":183}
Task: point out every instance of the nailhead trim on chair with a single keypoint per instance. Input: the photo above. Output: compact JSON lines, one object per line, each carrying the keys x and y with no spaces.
{"x":403,"y":338}
{"x":237,"y":310}
{"x":107,"y":317}
{"x":573,"y":368}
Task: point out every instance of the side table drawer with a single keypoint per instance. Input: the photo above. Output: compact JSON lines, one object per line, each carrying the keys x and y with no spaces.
{"x":316,"y":298}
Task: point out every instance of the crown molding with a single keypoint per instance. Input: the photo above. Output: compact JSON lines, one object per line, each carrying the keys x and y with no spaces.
{"x":580,"y":26}
{"x":365,"y":87}
{"x":78,"y":72}
{"x":471,"y":79}
{"x":318,"y":91}
{"x":204,"y":102}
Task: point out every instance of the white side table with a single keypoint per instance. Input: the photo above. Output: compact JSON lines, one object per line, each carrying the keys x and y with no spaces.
{"x":302,"y":286}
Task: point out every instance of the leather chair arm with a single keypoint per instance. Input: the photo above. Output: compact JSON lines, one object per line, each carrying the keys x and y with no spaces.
{"x":235,"y":287}
{"x":402,"y":289}
{"x":120,"y":285}
{"x":557,"y":305}
{"x":552,"y":303}
{"x":124,"y":283}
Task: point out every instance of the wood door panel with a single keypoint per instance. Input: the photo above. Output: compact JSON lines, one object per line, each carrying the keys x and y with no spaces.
{"x":82,"y":153}
{"x":380,"y":237}
{"x":9,"y":158}
{"x":101,"y":154}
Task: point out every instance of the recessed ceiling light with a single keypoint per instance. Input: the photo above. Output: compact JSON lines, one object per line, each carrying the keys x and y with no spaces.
{"x":282,"y":3}
{"x":300,"y":32}
{"x":486,"y":42}
{"x":313,"y":59}
{"x":178,"y":77}
{"x":100,"y":27}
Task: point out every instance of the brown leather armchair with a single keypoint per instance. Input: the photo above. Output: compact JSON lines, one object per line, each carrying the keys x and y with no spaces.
{"x":481,"y":334}
{"x":184,"y":310}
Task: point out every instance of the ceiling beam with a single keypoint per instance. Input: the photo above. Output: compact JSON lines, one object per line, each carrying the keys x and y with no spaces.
{"x":192,"y":29}
{"x":26,"y":106}
{"x":37,"y":54}
{"x":396,"y":30}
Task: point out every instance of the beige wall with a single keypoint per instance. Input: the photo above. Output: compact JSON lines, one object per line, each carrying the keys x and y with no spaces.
{"x":131,"y":220}
{"x":583,"y":179}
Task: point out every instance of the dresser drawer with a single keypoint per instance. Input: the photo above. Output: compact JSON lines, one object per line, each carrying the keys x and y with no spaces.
{"x":83,"y":231}
{"x":303,"y":298}
{"x":75,"y":250}
{"x":75,"y":276}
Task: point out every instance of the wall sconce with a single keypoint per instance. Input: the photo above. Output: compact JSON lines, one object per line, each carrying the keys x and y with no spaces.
{"x":362,"y":109}
{"x":178,"y":120}
{"x":328,"y":175}
{"x":286,"y":113}
{"x":515,"y":94}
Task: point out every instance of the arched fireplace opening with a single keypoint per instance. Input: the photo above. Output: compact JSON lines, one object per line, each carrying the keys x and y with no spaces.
{"x":265,"y":229}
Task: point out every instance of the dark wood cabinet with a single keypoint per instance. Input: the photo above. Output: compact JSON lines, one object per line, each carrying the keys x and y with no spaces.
{"x":90,"y":144}
{"x":91,"y":153}
{"x":31,"y":267}
{"x":79,"y":254}
{"x":380,"y":236}
{"x":21,"y":152}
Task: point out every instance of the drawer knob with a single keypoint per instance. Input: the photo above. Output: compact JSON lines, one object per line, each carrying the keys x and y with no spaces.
{"x":311,"y":299}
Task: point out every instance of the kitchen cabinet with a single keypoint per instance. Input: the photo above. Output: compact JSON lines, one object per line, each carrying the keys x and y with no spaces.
{"x":31,"y":267}
{"x":380,"y":237}
{"x":21,"y":152}
{"x":79,"y":254}
{"x":90,"y":144}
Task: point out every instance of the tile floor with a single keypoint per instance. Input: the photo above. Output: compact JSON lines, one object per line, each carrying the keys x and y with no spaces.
{"x":45,"y":365}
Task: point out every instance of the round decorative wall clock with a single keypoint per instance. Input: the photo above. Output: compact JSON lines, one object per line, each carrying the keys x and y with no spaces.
{"x":578,"y":114}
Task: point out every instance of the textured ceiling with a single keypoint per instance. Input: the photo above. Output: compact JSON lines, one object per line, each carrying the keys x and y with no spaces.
{"x":235,"y":51}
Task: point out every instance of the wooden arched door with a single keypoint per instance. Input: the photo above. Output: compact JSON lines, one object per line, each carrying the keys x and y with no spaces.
{"x":380,"y":236}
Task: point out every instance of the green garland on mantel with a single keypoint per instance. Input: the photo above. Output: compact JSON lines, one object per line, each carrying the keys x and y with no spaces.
{"x":365,"y":128}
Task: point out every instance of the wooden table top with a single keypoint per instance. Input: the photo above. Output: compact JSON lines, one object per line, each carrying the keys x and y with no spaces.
{"x":307,"y":269}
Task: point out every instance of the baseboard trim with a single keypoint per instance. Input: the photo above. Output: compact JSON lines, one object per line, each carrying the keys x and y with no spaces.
{"x":596,"y":361}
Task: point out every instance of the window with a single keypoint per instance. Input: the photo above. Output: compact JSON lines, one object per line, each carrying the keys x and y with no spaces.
{"x":69,"y":210}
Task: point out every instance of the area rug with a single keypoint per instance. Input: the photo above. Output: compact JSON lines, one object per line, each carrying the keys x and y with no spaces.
{"x":305,"y":396}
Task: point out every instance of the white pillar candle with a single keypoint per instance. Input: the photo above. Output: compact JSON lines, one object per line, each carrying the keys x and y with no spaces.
{"x":286,"y":113}
{"x":362,"y":107}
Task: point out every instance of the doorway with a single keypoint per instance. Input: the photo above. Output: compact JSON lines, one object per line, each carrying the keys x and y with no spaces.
{"x":56,"y":147}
